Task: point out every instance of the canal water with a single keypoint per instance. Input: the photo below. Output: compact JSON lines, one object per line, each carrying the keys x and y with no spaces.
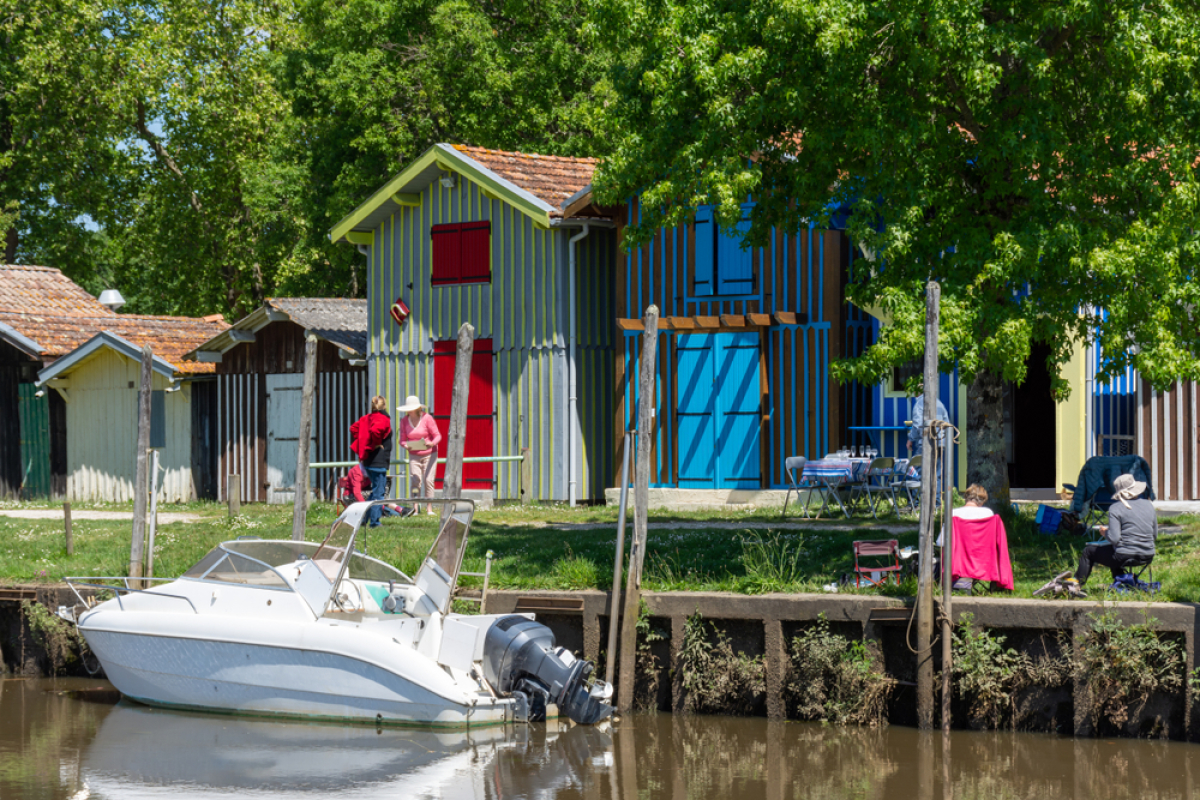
{"x":72,"y":740}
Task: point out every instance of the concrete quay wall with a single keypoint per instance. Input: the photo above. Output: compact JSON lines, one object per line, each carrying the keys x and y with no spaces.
{"x":764,"y":624}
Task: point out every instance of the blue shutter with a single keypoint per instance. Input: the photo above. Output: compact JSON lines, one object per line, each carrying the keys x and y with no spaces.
{"x":702,"y":283}
{"x":735,"y":266}
{"x":694,"y":416}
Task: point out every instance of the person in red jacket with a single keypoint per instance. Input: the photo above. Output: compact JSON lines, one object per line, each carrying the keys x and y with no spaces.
{"x":371,"y":440}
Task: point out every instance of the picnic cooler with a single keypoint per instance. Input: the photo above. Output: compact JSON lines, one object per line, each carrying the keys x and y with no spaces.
{"x":1048,"y":519}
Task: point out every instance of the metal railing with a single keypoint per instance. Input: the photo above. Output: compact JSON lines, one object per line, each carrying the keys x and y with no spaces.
{"x":123,"y":587}
{"x":525,"y":487}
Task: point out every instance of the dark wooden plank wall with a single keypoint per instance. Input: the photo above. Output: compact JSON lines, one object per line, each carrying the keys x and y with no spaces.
{"x":802,"y":273}
{"x":241,"y":402}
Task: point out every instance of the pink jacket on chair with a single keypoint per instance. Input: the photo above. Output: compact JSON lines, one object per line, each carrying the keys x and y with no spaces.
{"x":980,"y":551}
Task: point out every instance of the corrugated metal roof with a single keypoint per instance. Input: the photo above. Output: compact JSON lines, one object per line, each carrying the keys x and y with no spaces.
{"x":338,"y":320}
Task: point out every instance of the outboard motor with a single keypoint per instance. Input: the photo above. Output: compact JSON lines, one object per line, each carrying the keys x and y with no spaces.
{"x":519,"y":659}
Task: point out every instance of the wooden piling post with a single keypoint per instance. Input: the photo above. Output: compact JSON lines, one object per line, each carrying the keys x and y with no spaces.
{"x":614,"y":606}
{"x":947,"y":587}
{"x":233,"y":493}
{"x":67,"y":528}
{"x":152,"y":527}
{"x":924,"y":646}
{"x":140,"y":480}
{"x":300,"y":501}
{"x":641,"y":499}
{"x":447,"y":555}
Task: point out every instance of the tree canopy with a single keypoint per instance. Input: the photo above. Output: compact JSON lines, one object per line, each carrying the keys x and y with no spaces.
{"x":1036,"y":158}
{"x":195,"y":153}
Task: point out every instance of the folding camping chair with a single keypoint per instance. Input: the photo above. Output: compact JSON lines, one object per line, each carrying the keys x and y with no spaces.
{"x":877,"y":574}
{"x":908,"y":484}
{"x":793,"y":467}
{"x":1093,"y":488}
{"x":876,"y":484}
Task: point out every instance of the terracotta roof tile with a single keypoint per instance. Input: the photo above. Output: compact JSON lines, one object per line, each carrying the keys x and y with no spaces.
{"x":45,"y":290}
{"x":551,"y":179}
{"x":169,"y":337}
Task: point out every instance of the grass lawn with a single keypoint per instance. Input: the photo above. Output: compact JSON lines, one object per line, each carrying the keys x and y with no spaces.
{"x":751,"y":557}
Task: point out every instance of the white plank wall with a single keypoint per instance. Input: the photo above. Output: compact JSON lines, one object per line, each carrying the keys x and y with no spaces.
{"x":102,"y":432}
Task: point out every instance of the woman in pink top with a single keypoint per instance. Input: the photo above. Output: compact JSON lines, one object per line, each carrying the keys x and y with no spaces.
{"x":415,"y":425}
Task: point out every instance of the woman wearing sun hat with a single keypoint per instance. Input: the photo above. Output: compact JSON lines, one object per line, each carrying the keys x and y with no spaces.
{"x":420,"y":436}
{"x":1131,"y":531}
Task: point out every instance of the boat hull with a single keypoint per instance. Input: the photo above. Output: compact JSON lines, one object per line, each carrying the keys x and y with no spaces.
{"x":247,"y":677}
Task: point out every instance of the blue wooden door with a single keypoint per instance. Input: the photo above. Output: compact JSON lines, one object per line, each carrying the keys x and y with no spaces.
{"x":695,"y":415}
{"x":717,"y":420}
{"x":739,"y":411}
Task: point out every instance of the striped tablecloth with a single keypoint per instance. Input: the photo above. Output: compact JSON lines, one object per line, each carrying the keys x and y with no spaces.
{"x":843,"y":471}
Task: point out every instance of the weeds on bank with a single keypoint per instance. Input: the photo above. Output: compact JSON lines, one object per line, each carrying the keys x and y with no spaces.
{"x":833,"y":679}
{"x":990,"y":676}
{"x":717,"y":680}
{"x":645,"y":687}
{"x":61,"y":641}
{"x":1124,"y":665}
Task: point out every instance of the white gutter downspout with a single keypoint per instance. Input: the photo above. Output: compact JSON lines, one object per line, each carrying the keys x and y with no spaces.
{"x":573,"y":432}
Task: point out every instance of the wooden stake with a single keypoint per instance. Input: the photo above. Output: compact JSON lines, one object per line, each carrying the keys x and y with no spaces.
{"x":141,"y":476}
{"x":447,"y":555}
{"x":929,"y":493}
{"x":614,"y":605}
{"x":152,"y":528}
{"x":300,"y":501}
{"x":641,"y":499}
{"x":947,"y":585}
{"x":67,"y":528}
{"x":233,"y":493}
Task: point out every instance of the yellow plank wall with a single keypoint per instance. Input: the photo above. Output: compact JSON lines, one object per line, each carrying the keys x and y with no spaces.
{"x":102,"y":433}
{"x":1070,"y":421}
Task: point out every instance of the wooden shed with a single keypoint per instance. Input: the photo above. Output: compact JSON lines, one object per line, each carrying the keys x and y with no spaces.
{"x":99,"y":380}
{"x":259,"y":368}
{"x":43,"y":316}
{"x":503,"y":241}
{"x":745,"y":342}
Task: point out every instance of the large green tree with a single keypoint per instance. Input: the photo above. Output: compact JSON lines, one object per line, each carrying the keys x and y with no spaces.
{"x":1035,"y":157}
{"x":376,"y":82}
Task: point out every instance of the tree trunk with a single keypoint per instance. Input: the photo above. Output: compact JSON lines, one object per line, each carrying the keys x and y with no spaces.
{"x":986,"y":462}
{"x":11,"y":239}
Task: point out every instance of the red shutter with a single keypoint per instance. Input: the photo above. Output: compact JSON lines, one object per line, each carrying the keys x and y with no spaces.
{"x":447,"y":253}
{"x":476,"y":252}
{"x":480,"y":434}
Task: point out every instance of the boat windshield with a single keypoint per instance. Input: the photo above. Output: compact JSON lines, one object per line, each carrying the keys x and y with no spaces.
{"x":361,"y":566}
{"x":223,"y":564}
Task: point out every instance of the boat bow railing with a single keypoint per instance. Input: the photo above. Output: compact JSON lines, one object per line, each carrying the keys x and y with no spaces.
{"x":120,"y":585}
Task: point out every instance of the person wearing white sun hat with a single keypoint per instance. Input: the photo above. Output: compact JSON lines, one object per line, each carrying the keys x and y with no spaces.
{"x":1131,"y":531}
{"x":419,"y":435}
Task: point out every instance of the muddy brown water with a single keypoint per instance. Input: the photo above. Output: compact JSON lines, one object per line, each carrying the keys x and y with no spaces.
{"x":71,"y":739}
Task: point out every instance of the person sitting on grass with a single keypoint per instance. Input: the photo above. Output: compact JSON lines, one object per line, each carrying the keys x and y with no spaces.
{"x":358,"y":484}
{"x":1131,"y":531}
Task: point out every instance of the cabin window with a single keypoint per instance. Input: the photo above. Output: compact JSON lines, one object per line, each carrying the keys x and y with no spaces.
{"x":462,"y":252}
{"x":902,"y":372}
{"x":723,"y":268}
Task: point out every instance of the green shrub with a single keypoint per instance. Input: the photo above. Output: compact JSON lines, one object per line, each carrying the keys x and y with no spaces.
{"x":717,"y":680}
{"x":1123,"y":666}
{"x":60,"y":640}
{"x":990,"y":676}
{"x":833,"y":679}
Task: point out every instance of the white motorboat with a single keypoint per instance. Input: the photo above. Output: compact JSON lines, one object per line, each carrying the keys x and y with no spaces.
{"x":300,"y":629}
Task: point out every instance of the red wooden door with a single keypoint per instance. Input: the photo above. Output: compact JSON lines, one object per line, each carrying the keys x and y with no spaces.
{"x":480,"y":420}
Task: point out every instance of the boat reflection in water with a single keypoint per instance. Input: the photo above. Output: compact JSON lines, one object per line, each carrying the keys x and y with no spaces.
{"x":142,"y":752}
